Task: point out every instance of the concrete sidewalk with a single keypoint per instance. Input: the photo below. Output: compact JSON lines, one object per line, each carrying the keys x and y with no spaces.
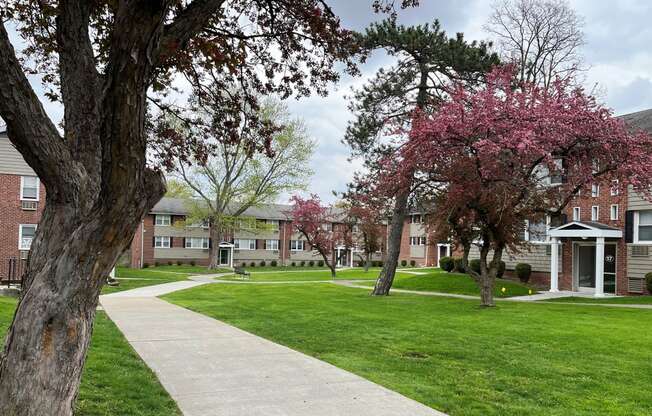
{"x":211,"y":368}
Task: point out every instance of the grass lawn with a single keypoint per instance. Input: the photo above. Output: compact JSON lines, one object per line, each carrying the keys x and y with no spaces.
{"x":135,"y":278}
{"x":515,"y":359}
{"x":462,"y":284}
{"x":186,"y":268}
{"x":309,"y":275}
{"x":629,"y":300}
{"x":115,"y":380}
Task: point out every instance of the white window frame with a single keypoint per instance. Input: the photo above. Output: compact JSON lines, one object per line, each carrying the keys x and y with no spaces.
{"x":267,"y":245}
{"x":417,"y":241}
{"x":637,"y":224}
{"x":161,"y":241}
{"x":355,"y":228}
{"x":20,"y":236}
{"x":416,"y":219}
{"x":595,"y":213}
{"x":205,"y":244}
{"x":559,"y":165}
{"x":22,"y":187}
{"x":578,"y":211}
{"x":295,"y":244}
{"x":595,"y":190}
{"x":614,"y":212}
{"x":615,"y":191}
{"x":527,"y":231}
{"x":162,"y":223}
{"x":200,"y":224}
{"x":275,"y":224}
{"x":239,"y":244}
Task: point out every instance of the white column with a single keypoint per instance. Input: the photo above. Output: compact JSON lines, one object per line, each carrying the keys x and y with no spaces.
{"x":448,"y":250}
{"x":599,"y":267}
{"x":554,"y":264}
{"x":231,"y":258}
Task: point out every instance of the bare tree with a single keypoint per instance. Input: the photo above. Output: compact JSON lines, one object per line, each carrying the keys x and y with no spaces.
{"x":543,"y":38}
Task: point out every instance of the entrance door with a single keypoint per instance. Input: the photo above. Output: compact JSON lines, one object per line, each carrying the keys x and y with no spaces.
{"x":610,"y":268}
{"x":442,"y":251}
{"x":224,"y":257}
{"x":586,"y":266}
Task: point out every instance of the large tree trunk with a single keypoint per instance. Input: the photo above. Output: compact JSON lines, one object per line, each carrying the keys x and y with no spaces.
{"x":214,"y":254}
{"x":367,"y":261}
{"x":386,"y":278}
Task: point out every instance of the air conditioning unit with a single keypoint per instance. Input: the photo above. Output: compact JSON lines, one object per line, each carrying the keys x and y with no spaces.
{"x":29,"y":205}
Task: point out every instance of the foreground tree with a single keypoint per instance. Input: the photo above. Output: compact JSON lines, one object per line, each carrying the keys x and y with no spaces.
{"x":234,"y":178}
{"x":504,"y":155}
{"x":100,"y":59}
{"x":317,"y":224}
{"x":427,"y":62}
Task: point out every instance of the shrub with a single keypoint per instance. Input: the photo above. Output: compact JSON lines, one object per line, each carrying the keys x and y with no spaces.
{"x":311,"y":263}
{"x":252,"y":264}
{"x":273,"y":263}
{"x":263,"y":264}
{"x":475,"y":265}
{"x":145,"y":265}
{"x":501,"y":269}
{"x":294,"y":264}
{"x":523,"y":272}
{"x":156,"y":264}
{"x":447,"y":264}
{"x":179,"y":263}
{"x":244,"y":264}
{"x":457,"y":265}
{"x":380,"y":264}
{"x":648,"y":282}
{"x":403,"y":263}
{"x":169,"y":263}
{"x":413,"y":263}
{"x":320,"y":263}
{"x":303,"y":263}
{"x":193,"y":263}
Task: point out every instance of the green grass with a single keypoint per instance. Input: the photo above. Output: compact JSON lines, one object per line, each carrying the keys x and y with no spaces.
{"x":461,"y":284}
{"x":515,"y":359}
{"x":136,"y":278}
{"x":629,"y":300}
{"x":115,"y":381}
{"x":310,"y":275}
{"x":186,"y":269}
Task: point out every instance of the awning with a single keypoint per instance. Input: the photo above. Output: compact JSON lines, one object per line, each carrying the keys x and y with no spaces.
{"x":585,"y":229}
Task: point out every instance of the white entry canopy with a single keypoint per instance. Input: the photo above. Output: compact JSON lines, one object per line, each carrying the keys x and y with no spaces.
{"x":585,"y":229}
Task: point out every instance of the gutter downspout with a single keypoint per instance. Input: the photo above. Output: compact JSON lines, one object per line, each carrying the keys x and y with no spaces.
{"x":142,"y":243}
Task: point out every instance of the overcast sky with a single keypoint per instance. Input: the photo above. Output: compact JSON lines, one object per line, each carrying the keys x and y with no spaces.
{"x":618,"y":38}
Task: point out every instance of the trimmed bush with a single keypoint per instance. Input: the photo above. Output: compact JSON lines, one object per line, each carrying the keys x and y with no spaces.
{"x":193,"y":263}
{"x":252,"y":264}
{"x":648,"y":282}
{"x":156,"y":264}
{"x":403,"y":263}
{"x":179,"y":263}
{"x":413,"y":263}
{"x":320,"y":263}
{"x":447,"y":264}
{"x":457,"y":265}
{"x":273,"y":263}
{"x":145,"y":265}
{"x":244,"y":264}
{"x":303,"y":263}
{"x":523,"y":272}
{"x":380,"y":263}
{"x":501,"y":269}
{"x":263,"y":264}
{"x":311,"y":263}
{"x":169,"y":263}
{"x":294,"y":264}
{"x":475,"y":265}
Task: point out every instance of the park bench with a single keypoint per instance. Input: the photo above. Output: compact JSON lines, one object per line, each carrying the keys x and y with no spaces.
{"x":242,"y":272}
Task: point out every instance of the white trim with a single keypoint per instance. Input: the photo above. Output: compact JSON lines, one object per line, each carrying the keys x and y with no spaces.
{"x":20,"y":235}
{"x":162,"y":239}
{"x":157,"y":216}
{"x":38,"y":188}
{"x":613,"y":217}
{"x":237,"y":241}
{"x":615,"y":191}
{"x":595,"y":213}
{"x":595,"y":190}
{"x":303,"y":245}
{"x":267,"y":241}
{"x":577,"y":217}
{"x":586,"y":231}
{"x":575,"y":266}
{"x":637,"y":224}
{"x":190,"y":240}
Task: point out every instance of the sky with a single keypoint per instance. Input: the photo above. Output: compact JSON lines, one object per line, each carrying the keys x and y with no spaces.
{"x":617,"y":53}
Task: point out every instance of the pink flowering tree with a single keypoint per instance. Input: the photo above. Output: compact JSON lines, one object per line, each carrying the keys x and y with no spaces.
{"x":501,"y":155}
{"x":317,"y":224}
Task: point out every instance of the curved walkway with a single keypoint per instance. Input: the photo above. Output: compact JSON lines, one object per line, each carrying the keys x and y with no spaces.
{"x":211,"y":368}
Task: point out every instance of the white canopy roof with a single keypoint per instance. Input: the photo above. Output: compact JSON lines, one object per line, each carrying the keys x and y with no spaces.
{"x":585,"y":229}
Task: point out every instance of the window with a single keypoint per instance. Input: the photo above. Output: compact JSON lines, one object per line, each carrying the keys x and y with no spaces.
{"x":614,"y":212}
{"x":197,"y":242}
{"x":537,"y":231}
{"x":247,"y":223}
{"x":244,"y":244}
{"x":615,"y":188}
{"x":163,"y":220}
{"x":327,"y":226}
{"x":271,"y":244}
{"x":416,"y":219}
{"x":29,"y":188}
{"x":417,"y":241}
{"x":643,"y":230}
{"x":161,"y":242}
{"x":296,"y":245}
{"x":595,"y":213}
{"x":202,"y":224}
{"x":556,"y":177}
{"x":25,"y":236}
{"x":355,"y":228}
{"x":577,"y":214}
{"x":595,"y":190}
{"x":273,"y":224}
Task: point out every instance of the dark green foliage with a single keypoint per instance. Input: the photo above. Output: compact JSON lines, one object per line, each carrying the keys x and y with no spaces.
{"x":501,"y":269}
{"x":523,"y":272}
{"x":273,"y":263}
{"x":156,"y":264}
{"x":145,"y":265}
{"x":252,"y":264}
{"x":293,"y":264}
{"x":169,"y":263}
{"x":311,"y":263}
{"x":263,"y":264}
{"x":458,"y":266}
{"x":244,"y":264}
{"x":179,"y":263}
{"x":475,"y":265}
{"x":320,"y":263}
{"x":193,"y":263}
{"x":447,"y":264}
{"x":380,"y":263}
{"x":648,"y":282}
{"x":303,"y":263}
{"x":403,"y":263}
{"x":413,"y":263}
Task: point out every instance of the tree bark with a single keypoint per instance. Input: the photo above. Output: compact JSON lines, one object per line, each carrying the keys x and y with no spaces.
{"x":367,"y":261}
{"x":386,"y":278}
{"x":215,"y":234}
